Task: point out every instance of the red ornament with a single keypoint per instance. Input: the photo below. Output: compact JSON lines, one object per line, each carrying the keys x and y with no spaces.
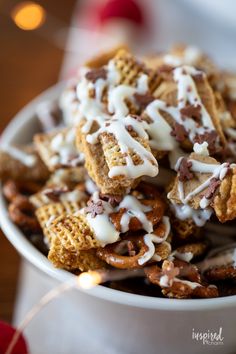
{"x":123,"y":9}
{"x":6,"y":335}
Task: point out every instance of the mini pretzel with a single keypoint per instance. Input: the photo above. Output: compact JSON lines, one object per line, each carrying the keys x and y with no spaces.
{"x":221,"y":273}
{"x":21,"y":213}
{"x":111,"y":256}
{"x":12,"y":189}
{"x":136,"y":247}
{"x":10,"y":167}
{"x":181,"y":289}
{"x":197,"y":249}
{"x":155,"y":215}
{"x":149,"y":190}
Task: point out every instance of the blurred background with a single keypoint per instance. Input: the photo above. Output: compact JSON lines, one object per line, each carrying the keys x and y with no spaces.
{"x":30,"y":62}
{"x":45,"y":41}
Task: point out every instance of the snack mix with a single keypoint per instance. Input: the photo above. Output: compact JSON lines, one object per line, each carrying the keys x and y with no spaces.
{"x":135,"y":169}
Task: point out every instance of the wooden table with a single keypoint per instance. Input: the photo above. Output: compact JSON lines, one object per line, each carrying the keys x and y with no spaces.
{"x":29,"y":64}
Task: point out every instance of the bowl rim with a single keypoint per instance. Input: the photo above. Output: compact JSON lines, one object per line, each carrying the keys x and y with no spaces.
{"x":28,"y":251}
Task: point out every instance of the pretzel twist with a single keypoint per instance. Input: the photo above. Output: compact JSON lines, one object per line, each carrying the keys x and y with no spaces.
{"x":21,"y":212}
{"x":180,"y":288}
{"x":136,"y":247}
{"x":13,"y":189}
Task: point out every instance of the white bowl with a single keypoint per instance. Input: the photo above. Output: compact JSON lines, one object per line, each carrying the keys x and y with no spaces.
{"x":128,"y":323}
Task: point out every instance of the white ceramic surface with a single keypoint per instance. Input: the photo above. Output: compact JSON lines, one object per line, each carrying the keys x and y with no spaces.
{"x":127,"y":323}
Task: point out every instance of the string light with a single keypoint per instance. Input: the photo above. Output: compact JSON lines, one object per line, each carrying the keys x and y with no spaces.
{"x":28,"y":15}
{"x":89,"y":279}
{"x":86,"y":280}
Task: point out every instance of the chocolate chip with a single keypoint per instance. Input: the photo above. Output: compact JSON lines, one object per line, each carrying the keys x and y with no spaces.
{"x":96,"y":74}
{"x":179,"y":132}
{"x":184,"y":170}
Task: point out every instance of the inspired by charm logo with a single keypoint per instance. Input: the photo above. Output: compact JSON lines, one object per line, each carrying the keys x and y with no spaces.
{"x":209,"y":337}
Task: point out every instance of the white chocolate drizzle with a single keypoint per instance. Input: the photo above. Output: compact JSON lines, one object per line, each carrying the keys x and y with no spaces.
{"x":134,"y":208}
{"x":166,"y":282}
{"x":118,"y":95}
{"x":90,"y":186}
{"x":190,"y":56}
{"x":224,"y":257}
{"x":183,"y":256}
{"x":115,"y":120}
{"x":160,"y":131}
{"x":191,"y":284}
{"x":92,"y":109}
{"x":150,"y":239}
{"x":184,"y":212}
{"x":183,"y":77}
{"x":217,"y":171}
{"x":104,"y":230}
{"x":65,"y":151}
{"x":118,"y":128}
{"x":112,"y":117}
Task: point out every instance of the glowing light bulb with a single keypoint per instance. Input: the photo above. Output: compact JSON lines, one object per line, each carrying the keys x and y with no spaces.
{"x":88,"y":280}
{"x":28,"y":15}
